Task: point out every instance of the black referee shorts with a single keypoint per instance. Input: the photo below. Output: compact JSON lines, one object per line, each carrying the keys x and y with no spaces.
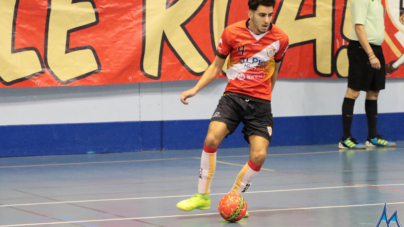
{"x":361,"y":76}
{"x":256,"y":116}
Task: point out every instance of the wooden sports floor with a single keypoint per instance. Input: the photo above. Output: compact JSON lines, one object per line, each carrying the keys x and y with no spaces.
{"x":305,"y":186}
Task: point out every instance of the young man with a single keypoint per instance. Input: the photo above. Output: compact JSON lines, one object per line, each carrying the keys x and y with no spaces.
{"x":367,"y":70}
{"x":256,"y":48}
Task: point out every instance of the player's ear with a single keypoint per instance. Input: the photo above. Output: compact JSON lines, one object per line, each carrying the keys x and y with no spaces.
{"x":250,"y":14}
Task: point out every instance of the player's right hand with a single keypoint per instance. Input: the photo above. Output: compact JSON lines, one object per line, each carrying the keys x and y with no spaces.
{"x":187,"y":94}
{"x":375,"y":63}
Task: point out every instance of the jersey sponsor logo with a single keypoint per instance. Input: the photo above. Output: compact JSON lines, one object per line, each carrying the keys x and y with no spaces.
{"x":255,"y":76}
{"x":249,"y":61}
{"x":247,"y":65}
{"x":241,"y":76}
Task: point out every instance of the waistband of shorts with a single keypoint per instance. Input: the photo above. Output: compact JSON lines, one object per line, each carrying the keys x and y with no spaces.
{"x":358,"y":43}
{"x":248,"y":97}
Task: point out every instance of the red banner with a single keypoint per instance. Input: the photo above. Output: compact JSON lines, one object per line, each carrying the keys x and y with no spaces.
{"x":84,"y":42}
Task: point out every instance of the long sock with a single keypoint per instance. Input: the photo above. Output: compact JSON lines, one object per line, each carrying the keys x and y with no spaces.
{"x":245,"y":177}
{"x":347,"y":114}
{"x":371,"y":114}
{"x":208,"y":165}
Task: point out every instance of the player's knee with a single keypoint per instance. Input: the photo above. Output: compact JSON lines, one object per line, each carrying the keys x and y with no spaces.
{"x":259,"y":157}
{"x":212,"y":141}
{"x":352,"y":94}
{"x":372,"y":95}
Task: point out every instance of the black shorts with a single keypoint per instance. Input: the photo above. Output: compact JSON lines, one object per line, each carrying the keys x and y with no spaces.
{"x":361,"y":76}
{"x":256,"y":116}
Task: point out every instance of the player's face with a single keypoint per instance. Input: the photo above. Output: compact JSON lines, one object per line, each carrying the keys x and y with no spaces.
{"x":260,"y":19}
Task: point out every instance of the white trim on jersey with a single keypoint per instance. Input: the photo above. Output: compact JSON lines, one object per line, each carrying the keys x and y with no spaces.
{"x":257,"y":37}
{"x":263,"y":56}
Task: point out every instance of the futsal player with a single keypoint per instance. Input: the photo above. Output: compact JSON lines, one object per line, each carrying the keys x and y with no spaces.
{"x":255,"y":48}
{"x":367,"y":71}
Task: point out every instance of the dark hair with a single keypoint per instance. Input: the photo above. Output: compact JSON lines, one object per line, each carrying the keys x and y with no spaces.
{"x":253,"y":4}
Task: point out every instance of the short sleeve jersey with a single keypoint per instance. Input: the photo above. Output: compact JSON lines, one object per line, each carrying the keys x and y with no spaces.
{"x":251,"y":63}
{"x":369,"y":13}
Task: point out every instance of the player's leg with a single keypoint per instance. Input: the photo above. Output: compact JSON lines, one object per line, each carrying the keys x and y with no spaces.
{"x":224,"y":122}
{"x":216,"y":133}
{"x":347,"y":141}
{"x":378,"y":83}
{"x":357,"y":81}
{"x":347,"y":111}
{"x":371,"y":112}
{"x":258,"y":154}
{"x":257,"y":131}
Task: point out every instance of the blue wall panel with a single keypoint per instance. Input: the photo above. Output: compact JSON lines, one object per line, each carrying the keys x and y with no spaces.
{"x":290,"y":131}
{"x":30,"y":140}
{"x":151,"y":135}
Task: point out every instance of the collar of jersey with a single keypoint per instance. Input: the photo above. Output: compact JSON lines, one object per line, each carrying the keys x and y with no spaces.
{"x":257,"y":37}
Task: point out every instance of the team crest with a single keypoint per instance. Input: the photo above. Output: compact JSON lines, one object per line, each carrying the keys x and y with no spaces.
{"x":270,"y":51}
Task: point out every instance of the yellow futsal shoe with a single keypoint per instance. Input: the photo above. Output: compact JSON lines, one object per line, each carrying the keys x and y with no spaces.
{"x":197,"y":201}
{"x":246,"y":215}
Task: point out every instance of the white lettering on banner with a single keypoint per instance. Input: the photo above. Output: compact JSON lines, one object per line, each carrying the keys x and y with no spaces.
{"x":65,"y":17}
{"x":15,"y":64}
{"x":162,"y":24}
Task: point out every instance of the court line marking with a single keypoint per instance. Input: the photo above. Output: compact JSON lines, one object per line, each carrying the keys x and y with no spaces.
{"x":205,"y":214}
{"x":161,"y":159}
{"x":179,"y":196}
{"x":320,"y":178}
{"x":165,"y":159}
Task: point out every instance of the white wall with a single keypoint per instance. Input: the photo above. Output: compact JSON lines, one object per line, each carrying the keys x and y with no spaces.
{"x":160,"y":101}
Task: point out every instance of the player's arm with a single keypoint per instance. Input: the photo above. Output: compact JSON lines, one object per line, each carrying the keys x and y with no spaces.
{"x":275,"y":75}
{"x":363,"y":40}
{"x":208,"y":76}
